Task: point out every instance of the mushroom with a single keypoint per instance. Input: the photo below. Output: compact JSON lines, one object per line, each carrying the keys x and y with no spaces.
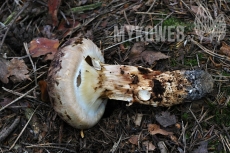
{"x":79,"y":84}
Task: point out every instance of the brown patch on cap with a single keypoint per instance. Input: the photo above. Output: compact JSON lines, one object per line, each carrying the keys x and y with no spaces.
{"x":78,"y":41}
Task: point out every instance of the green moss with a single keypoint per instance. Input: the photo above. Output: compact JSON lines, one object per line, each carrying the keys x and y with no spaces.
{"x":221,"y":116}
{"x":185,"y":116}
{"x":126,"y":44}
{"x":193,"y":61}
{"x":224,"y":73}
{"x":173,"y":62}
{"x":172,"y":21}
{"x":190,"y":62}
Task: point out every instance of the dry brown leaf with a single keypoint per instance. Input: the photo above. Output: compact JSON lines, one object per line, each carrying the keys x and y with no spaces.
{"x":137,"y":49}
{"x":150,"y":56}
{"x":149,"y":146}
{"x":225,"y":49}
{"x":203,"y":148}
{"x":136,"y":7}
{"x":138,"y":119}
{"x":65,"y":29}
{"x":18,"y":70}
{"x":44,"y":93}
{"x":134,"y":139}
{"x":194,"y":8}
{"x":3,"y":70}
{"x":53,"y":6}
{"x":15,"y":69}
{"x":138,"y":53}
{"x":122,"y":48}
{"x":174,"y":139}
{"x":135,"y":52}
{"x":155,"y":129}
{"x":149,"y":2}
{"x":43,"y":46}
{"x":165,"y":119}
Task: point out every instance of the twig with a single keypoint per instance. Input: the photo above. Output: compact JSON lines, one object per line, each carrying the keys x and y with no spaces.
{"x":17,"y":93}
{"x":162,"y":147}
{"x":198,"y":122}
{"x":184,"y":127}
{"x":23,"y":129}
{"x":53,"y":147}
{"x":18,"y":98}
{"x":210,"y":52}
{"x":150,"y":13}
{"x":64,"y":17}
{"x":143,"y":17}
{"x":197,"y":59}
{"x":126,"y":18}
{"x":116,"y":144}
{"x":32,"y":81}
{"x":223,"y":142}
{"x":120,"y":43}
{"x":8,"y":129}
{"x":31,"y":61}
{"x":84,"y":8}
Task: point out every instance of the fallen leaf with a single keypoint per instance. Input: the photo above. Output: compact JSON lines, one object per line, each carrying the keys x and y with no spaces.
{"x":15,"y":69}
{"x":134,"y":139}
{"x":155,"y":129}
{"x":136,"y":7}
{"x":138,"y":119}
{"x":89,"y":34}
{"x":138,"y":53}
{"x":149,"y":2}
{"x":149,"y":146}
{"x":44,"y":93}
{"x":3,"y":70}
{"x":165,"y":119}
{"x":43,"y":46}
{"x":194,"y":8}
{"x":203,"y":148}
{"x":122,"y":48}
{"x":150,"y":56}
{"x":53,"y":6}
{"x":174,"y":139}
{"x":104,"y":24}
{"x":65,"y":29}
{"x":225,"y":49}
{"x":136,"y":50}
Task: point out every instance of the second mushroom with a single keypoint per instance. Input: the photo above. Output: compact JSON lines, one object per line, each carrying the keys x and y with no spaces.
{"x":79,"y":84}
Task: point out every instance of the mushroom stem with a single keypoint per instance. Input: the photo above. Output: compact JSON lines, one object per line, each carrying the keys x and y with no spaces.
{"x":145,"y":86}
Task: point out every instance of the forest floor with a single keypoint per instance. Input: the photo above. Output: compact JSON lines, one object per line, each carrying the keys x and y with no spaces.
{"x":28,"y":122}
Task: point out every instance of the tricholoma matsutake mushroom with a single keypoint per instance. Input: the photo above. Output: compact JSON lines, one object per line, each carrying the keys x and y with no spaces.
{"x":79,"y":84}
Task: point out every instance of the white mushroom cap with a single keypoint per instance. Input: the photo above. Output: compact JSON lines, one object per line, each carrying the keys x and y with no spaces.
{"x":70,"y":90}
